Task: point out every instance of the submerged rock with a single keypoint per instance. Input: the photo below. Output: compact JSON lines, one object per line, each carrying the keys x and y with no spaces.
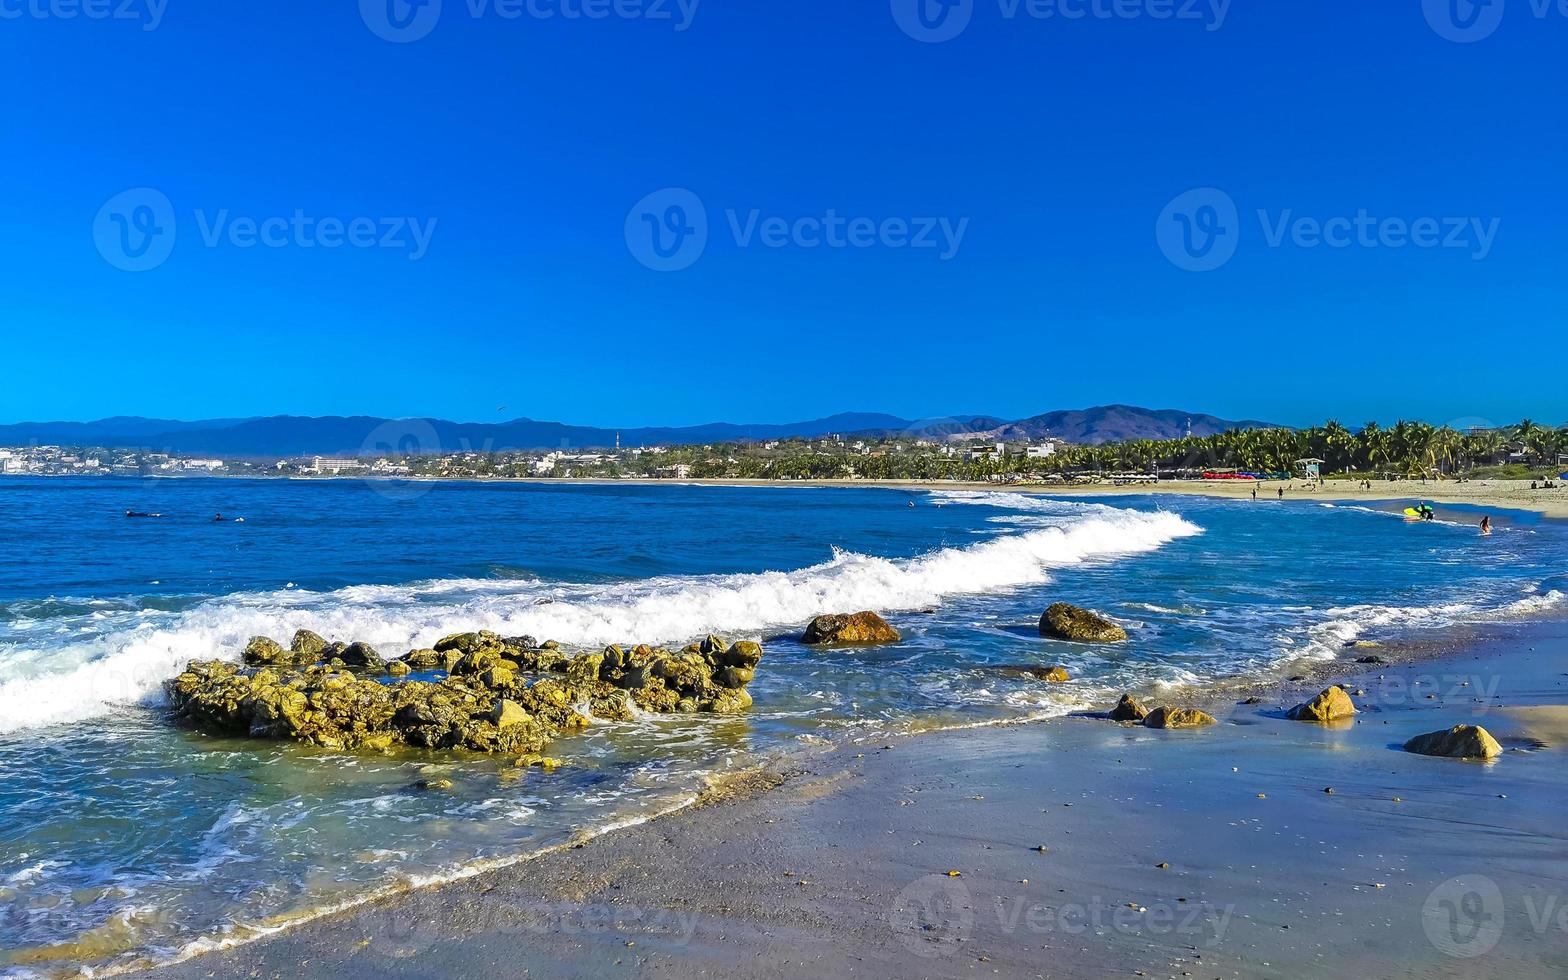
{"x":1331,"y":704}
{"x":1129,"y":708}
{"x":1163,"y":717}
{"x":1069,"y":622}
{"x":855,"y":629}
{"x":490,"y":705}
{"x":1055,"y":675}
{"x":1459,"y":742}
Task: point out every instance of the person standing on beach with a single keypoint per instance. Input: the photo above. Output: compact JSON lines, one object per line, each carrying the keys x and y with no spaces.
{"x":1282,"y":493}
{"x":1254,"y":491}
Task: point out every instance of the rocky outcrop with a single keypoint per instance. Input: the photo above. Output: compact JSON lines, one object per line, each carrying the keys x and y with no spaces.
{"x":495,"y":703}
{"x":1459,"y":742}
{"x":1129,"y":708}
{"x":1067,"y":622}
{"x":1163,"y":717}
{"x":855,"y":629}
{"x":1328,"y":706}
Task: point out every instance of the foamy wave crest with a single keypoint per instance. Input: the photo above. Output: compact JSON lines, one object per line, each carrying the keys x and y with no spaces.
{"x":75,"y":677}
{"x":1347,"y":624}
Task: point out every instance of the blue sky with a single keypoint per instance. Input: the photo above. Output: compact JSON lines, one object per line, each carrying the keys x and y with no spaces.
{"x":1005,"y":243}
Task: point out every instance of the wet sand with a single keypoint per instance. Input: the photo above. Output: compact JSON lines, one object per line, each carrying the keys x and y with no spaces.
{"x":1210,"y":853}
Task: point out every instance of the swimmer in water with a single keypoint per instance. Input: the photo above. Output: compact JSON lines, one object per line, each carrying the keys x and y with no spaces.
{"x":1486,"y":525}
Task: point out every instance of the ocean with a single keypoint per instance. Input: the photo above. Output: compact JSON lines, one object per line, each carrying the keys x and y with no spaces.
{"x":125,"y":840}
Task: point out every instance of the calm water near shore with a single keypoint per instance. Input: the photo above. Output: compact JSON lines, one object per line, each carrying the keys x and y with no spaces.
{"x":123,"y":838}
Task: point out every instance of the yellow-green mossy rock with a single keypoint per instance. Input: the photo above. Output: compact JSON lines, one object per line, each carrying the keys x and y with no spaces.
{"x":1163,"y":717}
{"x":1331,"y":704}
{"x":1063,"y":621}
{"x":853,"y":629}
{"x":1459,"y":742}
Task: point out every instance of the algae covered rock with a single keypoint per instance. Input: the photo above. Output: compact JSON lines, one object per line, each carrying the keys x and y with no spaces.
{"x":1459,"y":742}
{"x":359,"y":654}
{"x":853,"y":629}
{"x":1332,"y":704}
{"x":1129,"y":708}
{"x":307,"y":646}
{"x":264,"y":650}
{"x":486,"y":706}
{"x":423,"y":659}
{"x":1164,"y":717}
{"x":1053,"y":675}
{"x":1068,"y":622}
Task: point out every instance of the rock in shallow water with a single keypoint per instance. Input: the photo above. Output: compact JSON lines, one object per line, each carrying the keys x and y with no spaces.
{"x":855,"y":629}
{"x":1068,"y":622}
{"x":498,"y":709}
{"x":1054,"y":675}
{"x":1459,"y":742}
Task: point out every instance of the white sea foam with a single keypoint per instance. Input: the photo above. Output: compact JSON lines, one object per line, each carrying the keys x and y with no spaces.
{"x":73,"y":678}
{"x":1324,"y":640}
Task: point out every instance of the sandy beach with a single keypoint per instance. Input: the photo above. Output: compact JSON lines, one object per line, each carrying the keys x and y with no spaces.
{"x":1077,"y":847}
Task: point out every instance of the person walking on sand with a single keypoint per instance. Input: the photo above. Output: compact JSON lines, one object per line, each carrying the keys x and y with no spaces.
{"x":1254,"y":491}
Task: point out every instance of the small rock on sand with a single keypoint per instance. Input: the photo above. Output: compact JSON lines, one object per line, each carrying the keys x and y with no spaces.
{"x":1459,"y":742}
{"x":1164,"y":717}
{"x":1331,"y":704}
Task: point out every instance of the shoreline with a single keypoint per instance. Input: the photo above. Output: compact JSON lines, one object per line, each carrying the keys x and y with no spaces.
{"x":615,"y":897}
{"x":1496,"y":494}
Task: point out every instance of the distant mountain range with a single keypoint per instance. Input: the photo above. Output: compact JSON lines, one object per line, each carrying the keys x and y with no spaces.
{"x":288,"y":435}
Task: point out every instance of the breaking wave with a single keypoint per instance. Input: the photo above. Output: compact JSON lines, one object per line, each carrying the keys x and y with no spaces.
{"x":76,"y":668}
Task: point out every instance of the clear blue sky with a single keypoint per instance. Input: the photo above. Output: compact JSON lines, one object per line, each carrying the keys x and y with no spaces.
{"x":529,"y":140}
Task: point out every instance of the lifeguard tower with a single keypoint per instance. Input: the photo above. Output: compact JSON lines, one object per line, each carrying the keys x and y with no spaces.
{"x":1311,"y":469}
